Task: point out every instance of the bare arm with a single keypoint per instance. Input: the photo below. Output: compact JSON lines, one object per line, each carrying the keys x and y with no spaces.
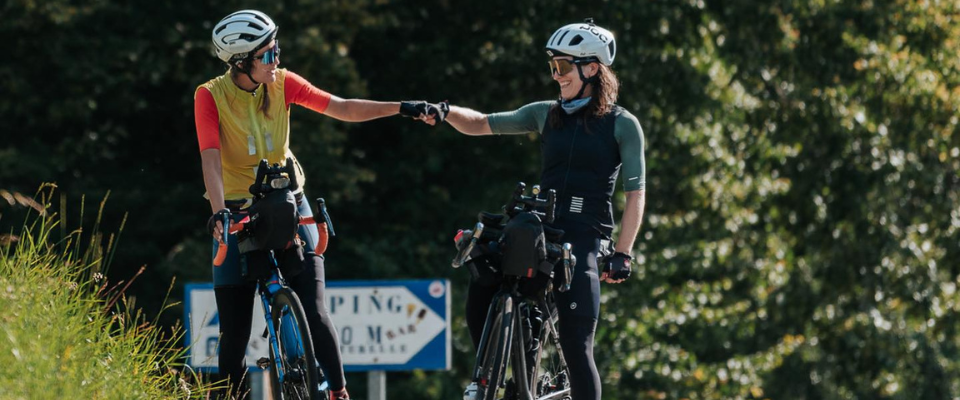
{"x":630,"y":221}
{"x":469,"y":122}
{"x":213,"y":178}
{"x":629,"y":227}
{"x":359,"y":110}
{"x":213,"y":181}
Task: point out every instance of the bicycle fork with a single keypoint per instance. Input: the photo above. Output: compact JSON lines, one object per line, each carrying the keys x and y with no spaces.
{"x":271,"y":334}
{"x":502,"y":304}
{"x":520,"y":371}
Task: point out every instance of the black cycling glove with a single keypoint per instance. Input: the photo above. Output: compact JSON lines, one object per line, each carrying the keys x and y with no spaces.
{"x":217,"y":216}
{"x":414,"y":109}
{"x":617,"y":266}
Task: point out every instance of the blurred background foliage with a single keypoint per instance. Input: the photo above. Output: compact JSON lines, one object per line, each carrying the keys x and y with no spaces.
{"x":803,"y":199}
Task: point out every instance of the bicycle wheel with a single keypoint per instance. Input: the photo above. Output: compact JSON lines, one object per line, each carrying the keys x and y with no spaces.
{"x":549,"y":374}
{"x":294,"y":371}
{"x":493,"y":364}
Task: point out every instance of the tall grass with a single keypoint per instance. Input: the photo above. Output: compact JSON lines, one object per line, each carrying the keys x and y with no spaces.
{"x":66,"y":333}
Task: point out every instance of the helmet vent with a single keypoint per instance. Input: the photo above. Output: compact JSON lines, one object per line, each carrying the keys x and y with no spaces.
{"x":560,"y":39}
{"x":612,"y":48}
{"x":576,"y":40}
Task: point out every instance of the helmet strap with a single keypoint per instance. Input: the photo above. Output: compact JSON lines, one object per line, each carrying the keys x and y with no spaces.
{"x":248,"y":62}
{"x":583,"y":84}
{"x":252,"y":80}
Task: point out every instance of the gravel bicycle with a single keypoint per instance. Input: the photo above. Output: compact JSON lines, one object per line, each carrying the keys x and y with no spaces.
{"x":294,"y":371}
{"x":519,"y":356}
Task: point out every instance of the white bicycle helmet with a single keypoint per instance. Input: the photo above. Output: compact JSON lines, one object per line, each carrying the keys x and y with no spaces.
{"x":242,"y":32}
{"x":584,"y":41}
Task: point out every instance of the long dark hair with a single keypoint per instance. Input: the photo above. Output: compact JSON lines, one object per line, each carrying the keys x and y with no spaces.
{"x":606,"y":87}
{"x":245,"y":66}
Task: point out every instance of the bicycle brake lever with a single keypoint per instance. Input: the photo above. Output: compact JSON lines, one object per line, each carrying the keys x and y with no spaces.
{"x":551,"y":206}
{"x":462,"y":255}
{"x":326,"y":217}
{"x":225,"y":222}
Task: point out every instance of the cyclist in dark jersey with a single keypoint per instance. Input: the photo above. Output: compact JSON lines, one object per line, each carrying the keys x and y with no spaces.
{"x":243,"y":117}
{"x":586,"y":141}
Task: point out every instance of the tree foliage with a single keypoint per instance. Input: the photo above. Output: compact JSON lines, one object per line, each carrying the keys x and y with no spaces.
{"x":801,"y":231}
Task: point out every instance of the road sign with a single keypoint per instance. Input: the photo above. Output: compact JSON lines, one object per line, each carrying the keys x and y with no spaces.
{"x":382,"y":325}
{"x":392,"y":325}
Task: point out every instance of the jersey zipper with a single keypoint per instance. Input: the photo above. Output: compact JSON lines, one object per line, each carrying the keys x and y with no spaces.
{"x":573,"y":143}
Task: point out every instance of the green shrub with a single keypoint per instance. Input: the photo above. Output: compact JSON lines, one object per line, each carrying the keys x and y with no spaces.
{"x":65,"y":332}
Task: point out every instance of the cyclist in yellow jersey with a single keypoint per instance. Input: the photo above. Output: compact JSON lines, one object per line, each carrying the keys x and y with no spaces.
{"x":241,"y":118}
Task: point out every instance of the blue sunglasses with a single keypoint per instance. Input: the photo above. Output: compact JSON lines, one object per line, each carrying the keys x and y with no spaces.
{"x":270,"y":56}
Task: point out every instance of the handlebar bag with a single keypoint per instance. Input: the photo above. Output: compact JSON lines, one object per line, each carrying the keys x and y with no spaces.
{"x":274,"y":221}
{"x":522,"y":245}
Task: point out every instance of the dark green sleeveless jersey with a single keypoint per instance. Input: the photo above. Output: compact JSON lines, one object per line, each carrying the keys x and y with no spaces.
{"x":581,"y":158}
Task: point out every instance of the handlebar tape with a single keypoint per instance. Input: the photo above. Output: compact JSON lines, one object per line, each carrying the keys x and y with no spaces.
{"x":324,"y":234}
{"x":221,"y":255}
{"x":323,"y":239}
{"x":222,"y":249}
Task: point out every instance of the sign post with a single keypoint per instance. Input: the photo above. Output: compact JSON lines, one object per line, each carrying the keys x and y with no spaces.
{"x":377,"y":385}
{"x":384,"y":325}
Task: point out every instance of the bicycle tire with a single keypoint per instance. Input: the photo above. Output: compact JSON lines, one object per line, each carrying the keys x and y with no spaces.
{"x":494,"y":361}
{"x":297,"y":359}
